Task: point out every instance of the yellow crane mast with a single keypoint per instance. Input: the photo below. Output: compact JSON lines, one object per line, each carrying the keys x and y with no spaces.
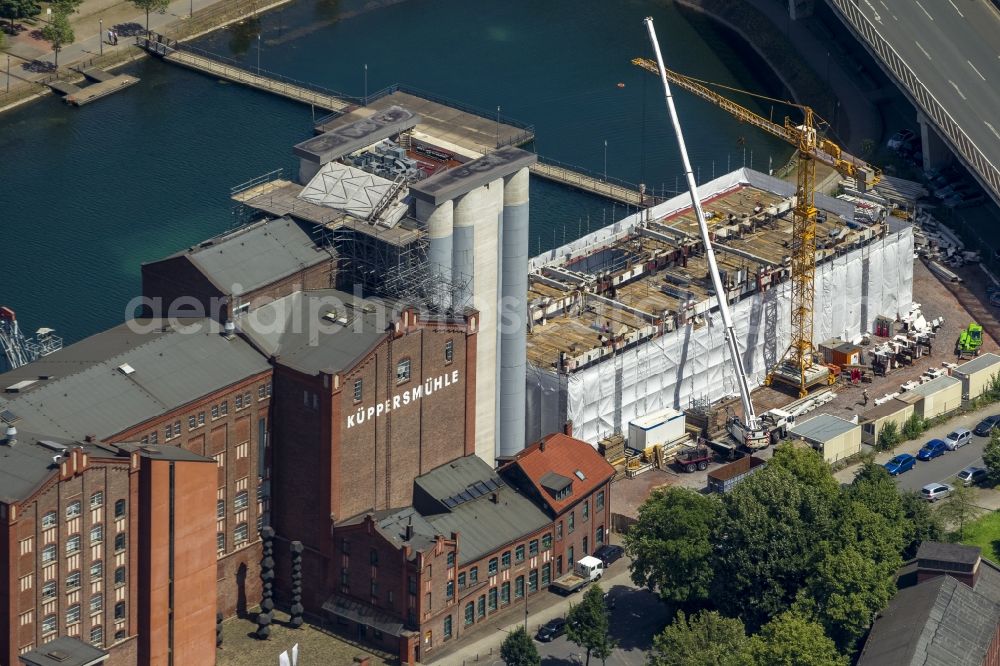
{"x":796,"y":366}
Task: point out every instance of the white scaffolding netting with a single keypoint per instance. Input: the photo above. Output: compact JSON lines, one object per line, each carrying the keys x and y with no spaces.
{"x":691,"y":363}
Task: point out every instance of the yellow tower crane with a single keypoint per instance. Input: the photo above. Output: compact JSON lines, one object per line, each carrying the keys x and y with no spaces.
{"x":796,"y":367}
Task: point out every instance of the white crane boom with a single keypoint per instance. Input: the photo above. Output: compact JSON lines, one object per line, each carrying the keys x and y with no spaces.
{"x":751,"y":432}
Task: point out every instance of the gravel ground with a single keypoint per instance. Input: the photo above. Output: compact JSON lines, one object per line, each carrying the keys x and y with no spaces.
{"x":316,"y":648}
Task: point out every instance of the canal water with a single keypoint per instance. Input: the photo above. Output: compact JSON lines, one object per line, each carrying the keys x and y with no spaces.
{"x":87,"y":195}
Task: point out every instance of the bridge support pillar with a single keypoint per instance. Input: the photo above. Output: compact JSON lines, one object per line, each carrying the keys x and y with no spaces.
{"x":936,"y":153}
{"x":798,"y":9}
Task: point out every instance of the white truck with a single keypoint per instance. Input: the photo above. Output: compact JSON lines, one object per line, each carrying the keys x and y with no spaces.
{"x":587,"y":570}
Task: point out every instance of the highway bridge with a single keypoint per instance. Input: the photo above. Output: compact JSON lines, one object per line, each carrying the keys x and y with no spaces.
{"x":945,"y":56}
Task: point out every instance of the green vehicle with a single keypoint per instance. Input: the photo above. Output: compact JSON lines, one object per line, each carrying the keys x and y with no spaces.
{"x":969,"y":341}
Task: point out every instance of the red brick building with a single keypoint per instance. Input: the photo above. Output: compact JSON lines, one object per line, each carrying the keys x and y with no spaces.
{"x":226,"y":276}
{"x":78,"y":524}
{"x":367,"y":399}
{"x":474,"y":543}
{"x":164,"y":386}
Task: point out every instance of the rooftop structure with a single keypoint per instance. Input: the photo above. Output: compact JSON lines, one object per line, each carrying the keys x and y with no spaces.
{"x":823,"y":427}
{"x":64,"y":651}
{"x":116,"y":379}
{"x":624,"y":321}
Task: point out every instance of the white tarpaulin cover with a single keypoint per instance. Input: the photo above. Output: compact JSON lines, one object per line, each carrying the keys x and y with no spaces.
{"x":691,"y":362}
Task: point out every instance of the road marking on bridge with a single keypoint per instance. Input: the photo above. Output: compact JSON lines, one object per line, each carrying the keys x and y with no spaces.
{"x":874,"y":11}
{"x":894,"y":17}
{"x":956,"y":89}
{"x":923,"y":49}
{"x":992,"y":129}
{"x":957,"y":9}
{"x":975,"y":70}
{"x":925,"y":11}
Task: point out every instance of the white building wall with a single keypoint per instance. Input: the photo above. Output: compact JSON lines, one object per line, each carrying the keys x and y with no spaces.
{"x":690,"y":363}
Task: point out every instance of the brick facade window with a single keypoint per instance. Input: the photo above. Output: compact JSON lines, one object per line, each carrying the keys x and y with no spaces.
{"x":403,"y":371}
{"x":519,"y":587}
{"x":220,"y":542}
{"x":50,"y":519}
{"x":97,"y":500}
{"x":73,"y":509}
{"x":97,"y":636}
{"x":600,"y":535}
{"x":96,"y":534}
{"x":474,"y":575}
{"x":49,"y":589}
{"x":154,"y":438}
{"x":119,"y":576}
{"x":559,"y":531}
{"x":492,"y":599}
{"x":96,"y":603}
{"x":49,"y":553}
{"x":447,"y":627}
{"x":49,"y":625}
{"x":241,"y":534}
{"x":242,"y":500}
{"x":201,"y":418}
{"x":449,"y":589}
{"x":73,"y":580}
{"x":120,"y":508}
{"x":505,"y":593}
{"x":224,"y":408}
{"x":505,"y":560}
{"x":451,"y":560}
{"x":470,"y":613}
{"x":519,"y":554}
{"x":373,"y":557}
{"x":449,"y":351}
{"x":192,"y":423}
{"x":215,"y":412}
{"x":73,"y":544}
{"x":239,"y":402}
{"x":533,"y":547}
{"x":481,"y":606}
{"x":96,"y":571}
{"x":599,"y":500}
{"x":586,"y":510}
{"x":73,"y":614}
{"x":546,"y":574}
{"x":461,"y":581}
{"x":220,"y":508}
{"x":120,"y":611}
{"x":571,"y":522}
{"x":358,"y":385}
{"x":493,"y":566}
{"x":119,"y":542}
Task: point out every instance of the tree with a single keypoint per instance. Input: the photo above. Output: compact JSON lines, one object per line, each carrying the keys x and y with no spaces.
{"x":766,"y":544}
{"x":151,"y":6}
{"x":923,"y":523}
{"x":991,"y":456}
{"x":58,"y":32}
{"x":888,"y":437}
{"x":587,"y":624}
{"x":705,"y":639}
{"x":914,"y":426}
{"x":845,"y":592}
{"x":670,"y":545}
{"x":959,"y":509}
{"x":66,"y":6}
{"x":18,"y":9}
{"x":791,"y":639}
{"x":519,"y":650}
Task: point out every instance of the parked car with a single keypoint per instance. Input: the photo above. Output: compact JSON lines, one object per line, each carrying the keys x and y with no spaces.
{"x":958,"y":438}
{"x":932,"y":449}
{"x":932,"y":492}
{"x":901,"y":463}
{"x":609,"y":553}
{"x":551,"y":630}
{"x":900,"y":139}
{"x":985,"y":427}
{"x":970,"y":476}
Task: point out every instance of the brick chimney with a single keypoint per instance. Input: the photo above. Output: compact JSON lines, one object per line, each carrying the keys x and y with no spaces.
{"x":939,"y":559}
{"x":568,"y":429}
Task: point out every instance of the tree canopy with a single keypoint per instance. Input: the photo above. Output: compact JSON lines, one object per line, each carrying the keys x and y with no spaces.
{"x":151,"y":6}
{"x":791,"y":639}
{"x":18,"y":9}
{"x":587,"y":624}
{"x":705,"y":639}
{"x":519,"y":650}
{"x":671,"y":547}
{"x":58,"y":32}
{"x":991,"y":456}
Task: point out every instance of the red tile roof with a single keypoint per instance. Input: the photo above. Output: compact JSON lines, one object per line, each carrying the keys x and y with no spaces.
{"x":564,"y":455}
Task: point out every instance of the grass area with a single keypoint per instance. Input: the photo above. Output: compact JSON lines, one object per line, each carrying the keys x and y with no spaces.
{"x":985,"y":533}
{"x":315,"y":646}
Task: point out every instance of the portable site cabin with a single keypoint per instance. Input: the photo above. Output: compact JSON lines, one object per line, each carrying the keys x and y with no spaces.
{"x":835,"y":438}
{"x":936,"y":397}
{"x":893,"y":411}
{"x":976,"y":375}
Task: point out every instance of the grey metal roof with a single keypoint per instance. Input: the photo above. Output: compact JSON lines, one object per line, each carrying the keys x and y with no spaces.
{"x":823,"y":428}
{"x":356,"y":135}
{"x":363,"y":614}
{"x":447,"y":185}
{"x":887,"y":408}
{"x":948,"y":552}
{"x":254,"y":256}
{"x":26,"y":464}
{"x":86,"y":389}
{"x":941,"y":622}
{"x":64,"y":651}
{"x":483,"y":525}
{"x":934,"y":386}
{"x":315,"y":331}
{"x":392,"y":525}
{"x":980,"y":363}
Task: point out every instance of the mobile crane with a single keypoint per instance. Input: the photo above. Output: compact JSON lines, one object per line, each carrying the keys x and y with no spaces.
{"x":750,"y":431}
{"x":797,"y":367}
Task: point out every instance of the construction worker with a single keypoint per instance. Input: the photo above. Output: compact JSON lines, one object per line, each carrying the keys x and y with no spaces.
{"x":865,"y":396}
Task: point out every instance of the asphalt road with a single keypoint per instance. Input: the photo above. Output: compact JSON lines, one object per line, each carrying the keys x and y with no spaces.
{"x":944,"y":468}
{"x":637,"y":616}
{"x":953,"y":46}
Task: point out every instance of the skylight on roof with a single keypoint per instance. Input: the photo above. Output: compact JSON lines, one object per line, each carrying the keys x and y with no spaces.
{"x":126,"y":369}
{"x":580,"y":475}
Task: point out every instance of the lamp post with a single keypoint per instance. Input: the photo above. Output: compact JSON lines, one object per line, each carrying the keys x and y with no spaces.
{"x":8,"y":73}
{"x":191,"y":9}
{"x":605,"y":160}
{"x":258,"y":54}
{"x":366,"y":84}
{"x":498,"y":125}
{"x":100,"y":34}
